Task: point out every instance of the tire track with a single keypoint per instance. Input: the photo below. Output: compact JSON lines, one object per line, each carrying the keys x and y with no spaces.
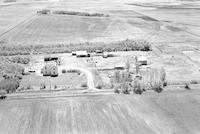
{"x":22,"y":23}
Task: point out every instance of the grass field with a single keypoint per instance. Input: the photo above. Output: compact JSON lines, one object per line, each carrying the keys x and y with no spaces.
{"x":67,"y":81}
{"x":167,"y":113}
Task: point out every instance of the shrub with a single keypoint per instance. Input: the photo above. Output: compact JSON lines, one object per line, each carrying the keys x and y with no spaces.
{"x":162,"y":75}
{"x":158,"y":87}
{"x":126,"y":91}
{"x":120,"y":77}
{"x":125,"y":87}
{"x":165,"y":84}
{"x":127,"y":64}
{"x":137,"y":86}
{"x":194,"y":82}
{"x":116,"y":90}
{"x":84,"y":84}
{"x":64,"y":71}
{"x":42,"y":86}
{"x":117,"y":77}
{"x":29,"y":87}
{"x":19,"y":59}
{"x":99,"y":86}
{"x":187,"y":86}
{"x":9,"y":85}
{"x":19,"y":76}
{"x":73,"y":71}
{"x":44,"y":11}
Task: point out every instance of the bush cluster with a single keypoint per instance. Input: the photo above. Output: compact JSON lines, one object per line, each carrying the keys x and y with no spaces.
{"x":19,"y":59}
{"x":73,"y":71}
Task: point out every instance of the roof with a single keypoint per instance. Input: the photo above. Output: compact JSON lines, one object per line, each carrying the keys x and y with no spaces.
{"x":99,"y":51}
{"x":120,"y":65}
{"x":50,"y":65}
{"x":81,"y":53}
{"x":142,"y":58}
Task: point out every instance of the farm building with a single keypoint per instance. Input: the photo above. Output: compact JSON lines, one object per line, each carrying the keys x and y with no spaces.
{"x":82,"y":54}
{"x":99,"y":52}
{"x":142,"y":60}
{"x":50,"y":70}
{"x":44,"y":11}
{"x":119,"y":67}
{"x":49,"y":58}
{"x":56,"y":59}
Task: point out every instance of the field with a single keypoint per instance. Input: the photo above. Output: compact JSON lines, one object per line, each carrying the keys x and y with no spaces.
{"x":127,"y":20}
{"x":168,"y":113}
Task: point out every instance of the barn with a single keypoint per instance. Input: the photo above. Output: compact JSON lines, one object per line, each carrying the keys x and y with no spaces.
{"x":50,"y":70}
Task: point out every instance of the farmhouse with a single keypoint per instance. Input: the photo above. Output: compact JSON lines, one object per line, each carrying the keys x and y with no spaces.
{"x":50,"y":70}
{"x":142,"y":60}
{"x":82,"y":54}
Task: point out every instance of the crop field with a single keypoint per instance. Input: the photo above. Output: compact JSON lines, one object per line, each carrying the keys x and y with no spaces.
{"x":168,"y":113}
{"x":58,"y":29}
{"x":11,"y":16}
{"x":127,"y":20}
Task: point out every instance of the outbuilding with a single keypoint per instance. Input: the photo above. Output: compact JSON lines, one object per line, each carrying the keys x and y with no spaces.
{"x":82,"y":54}
{"x":119,"y":67}
{"x":142,"y":60}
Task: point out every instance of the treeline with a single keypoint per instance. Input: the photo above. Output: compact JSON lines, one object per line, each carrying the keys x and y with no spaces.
{"x":125,"y":82}
{"x":12,"y":71}
{"x":80,"y":13}
{"x":125,"y":45}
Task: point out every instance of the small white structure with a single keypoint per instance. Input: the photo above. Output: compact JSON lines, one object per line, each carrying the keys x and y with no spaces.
{"x":142,"y":60}
{"x":82,"y":54}
{"x":73,"y":53}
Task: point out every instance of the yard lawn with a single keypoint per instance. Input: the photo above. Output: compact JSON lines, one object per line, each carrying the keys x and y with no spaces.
{"x":70,"y":80}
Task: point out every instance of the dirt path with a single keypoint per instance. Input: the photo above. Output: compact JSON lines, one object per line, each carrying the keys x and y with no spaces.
{"x":89,"y":75}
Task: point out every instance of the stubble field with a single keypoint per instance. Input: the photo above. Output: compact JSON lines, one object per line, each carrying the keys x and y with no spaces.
{"x":169,"y":113}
